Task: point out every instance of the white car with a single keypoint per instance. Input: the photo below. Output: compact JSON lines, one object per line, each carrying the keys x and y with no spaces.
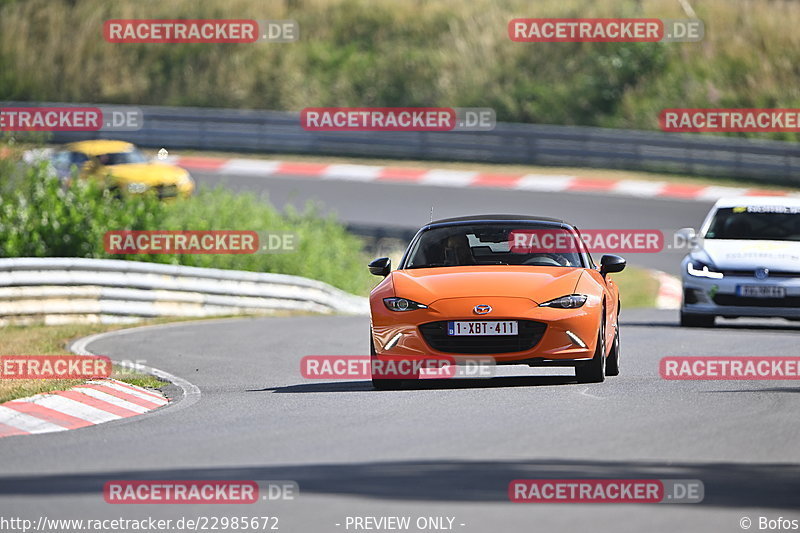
{"x":744,"y":262}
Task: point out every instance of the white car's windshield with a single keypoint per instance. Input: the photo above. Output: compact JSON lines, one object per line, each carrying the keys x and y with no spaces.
{"x":769,"y":223}
{"x":123,"y":158}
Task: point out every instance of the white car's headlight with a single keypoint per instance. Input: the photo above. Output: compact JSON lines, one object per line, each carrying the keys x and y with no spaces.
{"x":402,"y":304}
{"x":572,"y":301}
{"x":702,"y":270}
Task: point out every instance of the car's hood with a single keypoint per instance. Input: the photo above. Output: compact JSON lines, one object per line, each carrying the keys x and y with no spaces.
{"x":540,"y":284}
{"x":746,"y":255}
{"x":147,"y":173}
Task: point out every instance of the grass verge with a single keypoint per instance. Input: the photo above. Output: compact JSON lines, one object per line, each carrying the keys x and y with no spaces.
{"x":53,"y":340}
{"x":415,"y":53}
{"x":637,"y":287}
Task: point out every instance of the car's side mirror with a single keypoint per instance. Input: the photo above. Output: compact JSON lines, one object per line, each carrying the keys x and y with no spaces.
{"x":611,"y":263}
{"x":381,"y":266}
{"x":685,"y":236}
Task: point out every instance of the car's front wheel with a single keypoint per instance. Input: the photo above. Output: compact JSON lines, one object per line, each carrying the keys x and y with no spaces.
{"x":612,"y":363}
{"x":690,"y":320}
{"x":595,"y":370}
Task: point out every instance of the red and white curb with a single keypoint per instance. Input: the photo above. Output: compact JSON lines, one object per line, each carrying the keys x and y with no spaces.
{"x":669,"y":291}
{"x":88,"y":404}
{"x":460,"y":178}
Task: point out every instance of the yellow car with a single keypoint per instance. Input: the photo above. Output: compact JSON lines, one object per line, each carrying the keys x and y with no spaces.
{"x":125,"y":168}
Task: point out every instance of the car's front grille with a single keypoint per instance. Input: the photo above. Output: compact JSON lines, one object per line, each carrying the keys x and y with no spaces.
{"x":747,"y":301}
{"x":530,"y":333}
{"x":167,"y":191}
{"x":752,"y":274}
{"x":690,"y":296}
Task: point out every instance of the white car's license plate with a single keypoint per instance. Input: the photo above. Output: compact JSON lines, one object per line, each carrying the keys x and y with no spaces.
{"x":761,"y":291}
{"x":482,"y":327}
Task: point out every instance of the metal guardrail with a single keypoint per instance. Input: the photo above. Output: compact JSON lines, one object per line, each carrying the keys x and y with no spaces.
{"x":280,"y":132}
{"x":61,"y":290}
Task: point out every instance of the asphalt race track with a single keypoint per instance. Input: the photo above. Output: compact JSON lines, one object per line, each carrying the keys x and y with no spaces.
{"x":409,"y":206}
{"x":445,"y":448}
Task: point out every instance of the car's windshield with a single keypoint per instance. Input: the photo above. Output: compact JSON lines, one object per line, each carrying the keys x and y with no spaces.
{"x":123,"y":158}
{"x":495,"y":244}
{"x":769,"y":223}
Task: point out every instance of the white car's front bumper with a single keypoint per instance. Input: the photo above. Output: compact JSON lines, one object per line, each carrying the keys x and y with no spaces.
{"x":719,"y":297}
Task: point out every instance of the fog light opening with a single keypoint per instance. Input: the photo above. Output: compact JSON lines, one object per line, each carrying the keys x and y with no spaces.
{"x":575,"y":339}
{"x":393,"y":342}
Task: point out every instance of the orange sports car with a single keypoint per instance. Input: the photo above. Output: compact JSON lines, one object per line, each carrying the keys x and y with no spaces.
{"x":520,"y":290}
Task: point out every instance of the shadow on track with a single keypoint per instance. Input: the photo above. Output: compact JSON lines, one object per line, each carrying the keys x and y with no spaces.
{"x":727,"y":325}
{"x":426,"y":384}
{"x":773,"y":389}
{"x":773,"y":486}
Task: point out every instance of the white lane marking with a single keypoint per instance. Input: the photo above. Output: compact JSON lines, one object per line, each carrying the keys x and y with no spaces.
{"x":144,"y":395}
{"x":352,"y":172}
{"x":584,"y":392}
{"x":191,"y":393}
{"x":72,"y":408}
{"x":715,"y":193}
{"x":670,"y":291}
{"x":639,"y":188}
{"x":253,"y":167}
{"x":544,"y":182}
{"x":108,"y":398}
{"x":26,"y":422}
{"x":448,"y":178}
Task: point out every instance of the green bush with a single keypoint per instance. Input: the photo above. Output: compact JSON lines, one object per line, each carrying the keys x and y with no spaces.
{"x":41,"y":218}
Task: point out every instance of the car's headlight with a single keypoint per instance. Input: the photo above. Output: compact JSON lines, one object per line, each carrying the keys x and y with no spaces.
{"x":136,"y":187}
{"x":702,"y":270}
{"x":401,"y":304}
{"x":572,"y":301}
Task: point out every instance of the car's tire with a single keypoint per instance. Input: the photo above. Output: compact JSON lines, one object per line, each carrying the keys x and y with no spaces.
{"x":381,"y":384}
{"x":689,"y":320}
{"x":612,"y":362}
{"x":595,"y":370}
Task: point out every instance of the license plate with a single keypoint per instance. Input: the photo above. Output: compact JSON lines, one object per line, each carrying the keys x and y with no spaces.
{"x":498,"y":327}
{"x":761,"y":291}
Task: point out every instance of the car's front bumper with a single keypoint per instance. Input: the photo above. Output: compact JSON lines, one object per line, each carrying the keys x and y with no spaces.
{"x":719,"y":297}
{"x":399,"y":334}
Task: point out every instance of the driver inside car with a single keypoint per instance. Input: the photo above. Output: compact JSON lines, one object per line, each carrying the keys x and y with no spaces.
{"x":457,"y":251}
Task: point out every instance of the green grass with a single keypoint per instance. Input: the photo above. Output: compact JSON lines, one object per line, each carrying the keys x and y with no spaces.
{"x":637,"y":287}
{"x":53,"y":340}
{"x":388,"y":53}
